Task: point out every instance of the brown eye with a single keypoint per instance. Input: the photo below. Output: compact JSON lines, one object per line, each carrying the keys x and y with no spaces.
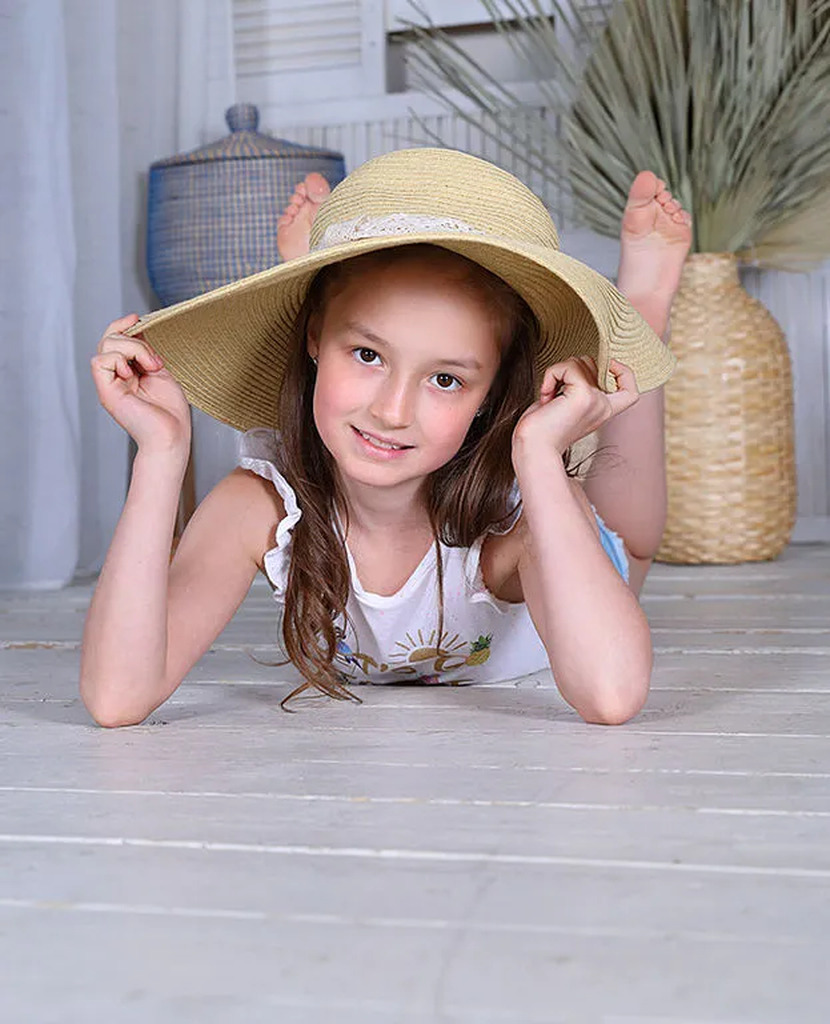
{"x":368,"y":355}
{"x":445,"y":381}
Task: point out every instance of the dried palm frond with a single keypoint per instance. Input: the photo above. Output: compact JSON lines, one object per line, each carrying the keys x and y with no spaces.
{"x":727,"y":100}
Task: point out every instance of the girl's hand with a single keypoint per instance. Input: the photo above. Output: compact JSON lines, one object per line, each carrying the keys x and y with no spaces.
{"x":139,"y":394}
{"x":571,"y":406}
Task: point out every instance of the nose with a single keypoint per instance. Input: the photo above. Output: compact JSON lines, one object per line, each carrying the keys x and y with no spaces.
{"x":393,"y":403}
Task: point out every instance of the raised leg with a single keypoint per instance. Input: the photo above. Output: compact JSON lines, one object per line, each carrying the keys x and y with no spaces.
{"x":627,"y":481}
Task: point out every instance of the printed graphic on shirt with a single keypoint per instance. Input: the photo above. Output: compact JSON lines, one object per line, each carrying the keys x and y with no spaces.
{"x":354,"y":659}
{"x":412,"y":656}
{"x":422,"y":657}
{"x":480,"y":650}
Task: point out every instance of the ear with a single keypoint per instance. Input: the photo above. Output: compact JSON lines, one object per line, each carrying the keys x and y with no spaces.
{"x":312,"y":336}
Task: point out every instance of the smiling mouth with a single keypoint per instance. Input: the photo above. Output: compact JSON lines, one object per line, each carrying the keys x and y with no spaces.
{"x":380,"y":443}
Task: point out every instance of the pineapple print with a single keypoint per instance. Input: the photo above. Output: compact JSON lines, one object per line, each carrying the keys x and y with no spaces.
{"x":481,"y":650}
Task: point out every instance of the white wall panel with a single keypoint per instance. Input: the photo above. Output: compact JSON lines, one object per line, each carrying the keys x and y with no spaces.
{"x":801,"y":303}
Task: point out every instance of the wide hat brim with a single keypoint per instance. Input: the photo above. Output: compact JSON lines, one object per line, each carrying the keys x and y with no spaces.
{"x":228,"y":347}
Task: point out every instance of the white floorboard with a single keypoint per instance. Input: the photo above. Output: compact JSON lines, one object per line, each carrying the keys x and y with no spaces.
{"x":448,"y":855}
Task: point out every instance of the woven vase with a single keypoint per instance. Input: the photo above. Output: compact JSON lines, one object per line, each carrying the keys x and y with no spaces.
{"x":730,"y":462}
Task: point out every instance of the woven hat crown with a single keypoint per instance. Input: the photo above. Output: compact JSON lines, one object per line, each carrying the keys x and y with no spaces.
{"x":435,"y":184}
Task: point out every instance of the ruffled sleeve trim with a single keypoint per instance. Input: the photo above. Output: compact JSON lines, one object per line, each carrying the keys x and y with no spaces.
{"x":259,"y":452}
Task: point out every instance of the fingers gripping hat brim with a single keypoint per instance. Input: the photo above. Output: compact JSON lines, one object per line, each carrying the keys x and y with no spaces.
{"x":228,"y":347}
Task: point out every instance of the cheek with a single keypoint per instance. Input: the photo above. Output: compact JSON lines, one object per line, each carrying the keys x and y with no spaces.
{"x":325,"y":407}
{"x":447,"y":423}
{"x":334,"y":395}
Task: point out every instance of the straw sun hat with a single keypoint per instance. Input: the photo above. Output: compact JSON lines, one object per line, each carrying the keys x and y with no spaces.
{"x":228,"y":347}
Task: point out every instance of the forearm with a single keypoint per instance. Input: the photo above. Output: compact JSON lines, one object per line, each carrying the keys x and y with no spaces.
{"x":124,"y":648}
{"x":590,"y":622}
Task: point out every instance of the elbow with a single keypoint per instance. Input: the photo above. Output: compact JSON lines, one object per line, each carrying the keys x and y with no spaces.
{"x":114,"y":721}
{"x":616,"y":702}
{"x":612,"y":713}
{"x":107,"y":713}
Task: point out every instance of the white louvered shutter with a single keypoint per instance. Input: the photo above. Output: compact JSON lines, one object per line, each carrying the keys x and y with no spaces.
{"x":295,"y":51}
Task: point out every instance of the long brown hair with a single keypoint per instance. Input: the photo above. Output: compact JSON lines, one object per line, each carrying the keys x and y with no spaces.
{"x":465,"y":497}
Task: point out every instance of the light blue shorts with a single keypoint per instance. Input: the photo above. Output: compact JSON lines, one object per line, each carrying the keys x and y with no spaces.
{"x":614,"y":547}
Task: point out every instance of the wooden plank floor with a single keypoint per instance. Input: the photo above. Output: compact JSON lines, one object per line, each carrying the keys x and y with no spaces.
{"x":434,"y":855}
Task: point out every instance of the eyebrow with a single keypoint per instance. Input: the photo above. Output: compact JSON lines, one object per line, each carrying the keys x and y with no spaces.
{"x":361,"y":329}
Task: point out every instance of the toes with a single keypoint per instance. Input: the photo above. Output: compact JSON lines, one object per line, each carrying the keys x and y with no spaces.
{"x":296,"y":201}
{"x":643,"y":188}
{"x":316,"y":186}
{"x":673,"y":207}
{"x":293,"y":208}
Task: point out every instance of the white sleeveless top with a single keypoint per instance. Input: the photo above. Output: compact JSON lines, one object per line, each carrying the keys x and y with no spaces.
{"x":394,"y":639}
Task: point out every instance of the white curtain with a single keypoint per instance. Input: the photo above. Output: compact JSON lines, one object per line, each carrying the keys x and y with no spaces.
{"x":91,"y":92}
{"x":39,"y":410}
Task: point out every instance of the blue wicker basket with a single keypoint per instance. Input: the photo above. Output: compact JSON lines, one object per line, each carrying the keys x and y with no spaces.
{"x":212,"y":213}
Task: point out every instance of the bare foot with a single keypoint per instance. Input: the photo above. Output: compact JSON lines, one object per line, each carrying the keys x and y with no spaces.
{"x":654,"y":241}
{"x":294,"y":226}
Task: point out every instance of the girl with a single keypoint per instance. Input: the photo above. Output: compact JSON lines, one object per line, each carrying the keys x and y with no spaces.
{"x":412,"y":510}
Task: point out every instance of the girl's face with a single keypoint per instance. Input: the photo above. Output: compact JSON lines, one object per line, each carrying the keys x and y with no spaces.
{"x":405,"y":356}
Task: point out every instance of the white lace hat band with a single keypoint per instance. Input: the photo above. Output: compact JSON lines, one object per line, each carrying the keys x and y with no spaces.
{"x":392,"y":224}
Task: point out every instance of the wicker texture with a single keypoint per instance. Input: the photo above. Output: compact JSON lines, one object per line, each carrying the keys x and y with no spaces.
{"x":729,"y":423}
{"x":212,"y":213}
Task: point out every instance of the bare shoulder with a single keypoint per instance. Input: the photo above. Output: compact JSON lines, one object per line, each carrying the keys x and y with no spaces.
{"x":246,"y":490}
{"x":253,"y":504}
{"x":500,"y":553}
{"x":239,"y":515}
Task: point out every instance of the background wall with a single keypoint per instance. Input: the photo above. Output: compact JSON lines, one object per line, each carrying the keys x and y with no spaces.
{"x":91,"y":93}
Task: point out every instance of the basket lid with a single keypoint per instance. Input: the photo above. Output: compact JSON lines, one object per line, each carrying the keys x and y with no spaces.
{"x":246,"y":143}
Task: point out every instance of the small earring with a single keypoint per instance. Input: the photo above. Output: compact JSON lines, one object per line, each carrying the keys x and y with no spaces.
{"x":314,"y":360}
{"x":479,"y":413}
